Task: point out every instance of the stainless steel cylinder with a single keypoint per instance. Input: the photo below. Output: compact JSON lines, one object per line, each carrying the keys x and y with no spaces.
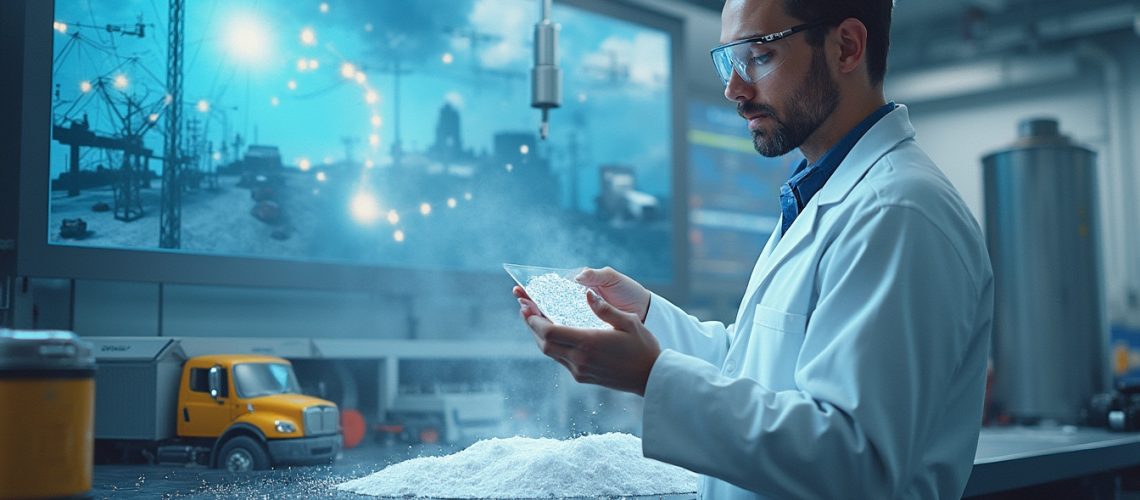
{"x":1050,"y":344}
{"x":546,"y":76}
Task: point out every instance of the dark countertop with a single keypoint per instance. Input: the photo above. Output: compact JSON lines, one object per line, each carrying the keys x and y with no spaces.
{"x":168,"y":481}
{"x":1017,"y":457}
{"x":1007,"y":458}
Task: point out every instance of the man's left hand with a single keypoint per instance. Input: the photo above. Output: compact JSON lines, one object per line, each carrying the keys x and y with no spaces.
{"x":620,"y":359}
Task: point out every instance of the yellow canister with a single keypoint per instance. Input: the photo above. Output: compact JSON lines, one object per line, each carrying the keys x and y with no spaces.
{"x":47,"y":411}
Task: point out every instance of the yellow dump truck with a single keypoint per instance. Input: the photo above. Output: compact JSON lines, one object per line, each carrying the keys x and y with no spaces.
{"x":235,"y":411}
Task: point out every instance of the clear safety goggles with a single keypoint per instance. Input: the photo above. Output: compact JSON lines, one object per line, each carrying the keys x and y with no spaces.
{"x":754,"y":58}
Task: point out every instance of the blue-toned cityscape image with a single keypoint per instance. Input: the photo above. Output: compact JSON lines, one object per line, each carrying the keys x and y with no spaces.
{"x":374,"y":133}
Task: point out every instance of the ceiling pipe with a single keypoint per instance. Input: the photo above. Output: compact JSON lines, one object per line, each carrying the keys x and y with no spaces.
{"x":1124,"y":301}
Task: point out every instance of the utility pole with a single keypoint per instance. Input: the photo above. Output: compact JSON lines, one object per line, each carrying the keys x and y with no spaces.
{"x":349,"y":143}
{"x":170,"y":222}
{"x":397,"y":142}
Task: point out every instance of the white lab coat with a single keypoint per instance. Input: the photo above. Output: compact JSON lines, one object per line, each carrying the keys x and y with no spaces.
{"x":856,"y":366}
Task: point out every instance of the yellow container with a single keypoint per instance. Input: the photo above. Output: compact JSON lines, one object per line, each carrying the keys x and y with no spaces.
{"x":47,"y":403}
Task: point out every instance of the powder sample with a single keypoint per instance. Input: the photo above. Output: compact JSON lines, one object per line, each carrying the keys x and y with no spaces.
{"x":589,"y":466}
{"x":563,"y":301}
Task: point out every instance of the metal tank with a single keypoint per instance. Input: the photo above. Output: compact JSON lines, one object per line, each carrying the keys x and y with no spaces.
{"x":1050,"y":346}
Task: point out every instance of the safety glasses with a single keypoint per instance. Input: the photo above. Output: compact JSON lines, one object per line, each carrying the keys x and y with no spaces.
{"x":754,"y":58}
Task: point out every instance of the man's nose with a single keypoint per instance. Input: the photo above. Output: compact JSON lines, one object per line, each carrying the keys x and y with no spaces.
{"x":737,"y":89}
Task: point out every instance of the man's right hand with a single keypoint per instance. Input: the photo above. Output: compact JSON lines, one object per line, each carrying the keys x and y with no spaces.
{"x":619,"y":290}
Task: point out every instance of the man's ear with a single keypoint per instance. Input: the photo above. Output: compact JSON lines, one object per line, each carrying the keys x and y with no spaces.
{"x":851,"y":37}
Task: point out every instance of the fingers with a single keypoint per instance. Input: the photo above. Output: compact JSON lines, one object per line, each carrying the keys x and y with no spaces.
{"x":528,"y":308}
{"x":620,"y":320}
{"x":605,"y":276}
{"x":520,"y":292}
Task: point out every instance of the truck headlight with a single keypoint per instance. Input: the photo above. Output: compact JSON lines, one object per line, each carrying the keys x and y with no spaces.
{"x":284,"y":426}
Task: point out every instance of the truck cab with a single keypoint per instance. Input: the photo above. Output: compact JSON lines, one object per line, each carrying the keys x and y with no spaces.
{"x":235,"y":411}
{"x":252,"y":406}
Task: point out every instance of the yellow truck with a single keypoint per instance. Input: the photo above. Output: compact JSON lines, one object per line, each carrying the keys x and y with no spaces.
{"x":234,"y":411}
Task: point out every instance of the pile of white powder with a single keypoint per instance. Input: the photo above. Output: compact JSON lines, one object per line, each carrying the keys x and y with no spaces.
{"x":563,"y":301}
{"x":603,"y":465}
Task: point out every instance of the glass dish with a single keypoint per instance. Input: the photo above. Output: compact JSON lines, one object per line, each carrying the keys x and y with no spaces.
{"x":567,"y":306}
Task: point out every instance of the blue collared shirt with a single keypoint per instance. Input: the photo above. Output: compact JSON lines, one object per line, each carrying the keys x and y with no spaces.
{"x":809,"y":179}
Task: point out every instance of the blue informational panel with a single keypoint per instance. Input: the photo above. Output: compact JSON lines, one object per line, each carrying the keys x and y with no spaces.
{"x":734,"y":194}
{"x":391,"y":134}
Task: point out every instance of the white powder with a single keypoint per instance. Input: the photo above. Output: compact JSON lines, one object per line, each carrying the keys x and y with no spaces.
{"x":563,"y":301}
{"x":589,"y":466}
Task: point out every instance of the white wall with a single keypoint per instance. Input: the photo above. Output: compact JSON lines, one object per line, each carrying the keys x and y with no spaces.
{"x":958,"y":132}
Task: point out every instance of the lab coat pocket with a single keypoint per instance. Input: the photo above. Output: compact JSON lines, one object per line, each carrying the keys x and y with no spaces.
{"x":778,"y":337}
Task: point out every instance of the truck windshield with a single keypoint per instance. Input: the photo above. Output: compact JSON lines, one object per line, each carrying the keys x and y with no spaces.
{"x":265,"y":379}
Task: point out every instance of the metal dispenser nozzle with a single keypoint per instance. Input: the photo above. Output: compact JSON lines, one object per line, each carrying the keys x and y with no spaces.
{"x":546,"y":76}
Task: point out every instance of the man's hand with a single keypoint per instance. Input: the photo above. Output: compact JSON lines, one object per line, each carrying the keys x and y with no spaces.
{"x":620,"y":359}
{"x":618,"y":289}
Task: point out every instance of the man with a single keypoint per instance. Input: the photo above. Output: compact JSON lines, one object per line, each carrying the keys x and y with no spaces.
{"x":856,"y":365}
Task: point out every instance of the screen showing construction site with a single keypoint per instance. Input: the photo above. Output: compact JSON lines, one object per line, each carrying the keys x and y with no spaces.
{"x":397,"y":134}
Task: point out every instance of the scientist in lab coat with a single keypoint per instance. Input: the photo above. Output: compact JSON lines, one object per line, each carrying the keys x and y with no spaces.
{"x":856,"y":364}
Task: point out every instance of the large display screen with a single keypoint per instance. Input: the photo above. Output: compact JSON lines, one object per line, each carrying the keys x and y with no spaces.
{"x":734,"y":194}
{"x":376,"y":133}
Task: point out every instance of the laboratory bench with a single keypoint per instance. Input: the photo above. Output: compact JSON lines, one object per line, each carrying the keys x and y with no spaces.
{"x":1011,"y":463}
{"x":1055,"y":462}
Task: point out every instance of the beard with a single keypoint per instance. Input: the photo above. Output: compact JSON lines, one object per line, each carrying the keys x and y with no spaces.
{"x":808,"y":107}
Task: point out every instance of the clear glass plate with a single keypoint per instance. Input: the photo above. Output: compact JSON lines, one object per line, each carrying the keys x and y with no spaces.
{"x":574,"y":312}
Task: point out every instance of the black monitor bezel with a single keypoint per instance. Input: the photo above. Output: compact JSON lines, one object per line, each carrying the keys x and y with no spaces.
{"x":38,"y":258}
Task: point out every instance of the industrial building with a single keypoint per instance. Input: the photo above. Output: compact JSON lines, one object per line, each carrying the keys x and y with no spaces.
{"x":257,"y":248}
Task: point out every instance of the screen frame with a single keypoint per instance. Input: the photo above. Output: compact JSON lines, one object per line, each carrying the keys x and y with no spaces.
{"x":36,"y":257}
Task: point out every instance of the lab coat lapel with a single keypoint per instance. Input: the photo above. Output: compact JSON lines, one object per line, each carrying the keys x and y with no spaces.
{"x":754,"y":278}
{"x":892,"y":129}
{"x":784,"y":247}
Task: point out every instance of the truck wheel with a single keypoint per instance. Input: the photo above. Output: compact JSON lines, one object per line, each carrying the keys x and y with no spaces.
{"x":241,"y":454}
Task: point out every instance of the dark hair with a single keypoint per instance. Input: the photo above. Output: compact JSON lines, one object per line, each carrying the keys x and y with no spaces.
{"x":874,"y":14}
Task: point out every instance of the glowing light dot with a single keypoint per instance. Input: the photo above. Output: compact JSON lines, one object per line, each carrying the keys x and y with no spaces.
{"x":324,"y":7}
{"x":304,"y":164}
{"x":509,"y":167}
{"x":308,"y":36}
{"x":360,"y":78}
{"x":347,"y":70}
{"x":524,"y":149}
{"x":467,"y":196}
{"x":121,"y":81}
{"x":582,"y":97}
{"x":374,"y":139}
{"x":393,"y":217}
{"x":321,"y":177}
{"x":274,"y":101}
{"x":247,"y":38}
{"x":425,"y":209}
{"x":447,"y":58}
{"x":153,"y":117}
{"x":398,"y":235}
{"x":302,"y":64}
{"x":59,"y":26}
{"x":217,"y":156}
{"x":371,"y":97}
{"x":376,"y":121}
{"x":451,"y":203}
{"x":203,"y":106}
{"x":168,"y":100}
{"x":369,"y":164}
{"x":85,"y":86}
{"x":365,"y":208}
{"x":314,"y":64}
{"x":292,"y":84}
